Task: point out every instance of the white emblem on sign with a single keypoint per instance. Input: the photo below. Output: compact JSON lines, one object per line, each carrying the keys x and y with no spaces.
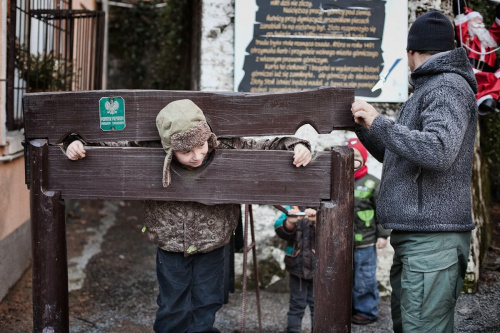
{"x":111,"y":107}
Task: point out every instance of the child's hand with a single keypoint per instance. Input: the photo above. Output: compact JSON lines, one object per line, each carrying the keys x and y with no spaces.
{"x":291,"y":221}
{"x":381,"y":243}
{"x":75,"y":150}
{"x":302,"y":155}
{"x":311,"y":214}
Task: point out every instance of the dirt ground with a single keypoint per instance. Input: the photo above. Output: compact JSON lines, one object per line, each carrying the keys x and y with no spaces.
{"x":118,"y":288}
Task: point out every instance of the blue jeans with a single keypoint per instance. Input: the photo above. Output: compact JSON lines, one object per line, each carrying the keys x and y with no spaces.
{"x":301,"y":295}
{"x":365,"y":295}
{"x":191,"y":291}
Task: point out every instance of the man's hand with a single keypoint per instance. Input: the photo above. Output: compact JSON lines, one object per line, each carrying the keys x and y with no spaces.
{"x":75,"y":150}
{"x":381,"y":243}
{"x":302,"y":155}
{"x":363,"y":113}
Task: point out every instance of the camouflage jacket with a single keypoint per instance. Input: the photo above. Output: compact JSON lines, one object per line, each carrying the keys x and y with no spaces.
{"x":193,"y":227}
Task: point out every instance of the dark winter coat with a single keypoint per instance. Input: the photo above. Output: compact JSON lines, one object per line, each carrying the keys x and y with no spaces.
{"x":427,"y":152}
{"x":300,"y":250}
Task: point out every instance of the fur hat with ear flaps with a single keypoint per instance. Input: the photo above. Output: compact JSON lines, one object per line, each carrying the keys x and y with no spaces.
{"x":182,"y":126}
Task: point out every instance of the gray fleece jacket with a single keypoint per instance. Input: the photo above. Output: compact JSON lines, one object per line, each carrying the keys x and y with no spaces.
{"x":427,"y":152}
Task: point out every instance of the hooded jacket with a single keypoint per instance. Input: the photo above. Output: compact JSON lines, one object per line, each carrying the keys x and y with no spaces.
{"x":427,"y":151}
{"x":300,"y":250}
{"x":367,"y":228}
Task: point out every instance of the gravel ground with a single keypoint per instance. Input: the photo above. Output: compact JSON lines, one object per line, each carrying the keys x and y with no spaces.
{"x":117,"y":285}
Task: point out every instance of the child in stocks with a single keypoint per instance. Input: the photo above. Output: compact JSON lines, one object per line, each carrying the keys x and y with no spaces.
{"x":190,"y":236}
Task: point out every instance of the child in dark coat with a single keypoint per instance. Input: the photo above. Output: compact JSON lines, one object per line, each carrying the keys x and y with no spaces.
{"x":300,"y":262}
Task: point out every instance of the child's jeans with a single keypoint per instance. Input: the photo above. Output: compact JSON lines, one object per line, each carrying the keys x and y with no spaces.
{"x":191,"y":291}
{"x":301,"y":295}
{"x":365,"y":295}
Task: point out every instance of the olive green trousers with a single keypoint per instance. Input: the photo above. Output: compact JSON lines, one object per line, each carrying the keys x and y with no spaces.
{"x":427,"y":275}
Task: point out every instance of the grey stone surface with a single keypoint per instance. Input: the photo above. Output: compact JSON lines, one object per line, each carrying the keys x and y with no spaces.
{"x":15,"y":256}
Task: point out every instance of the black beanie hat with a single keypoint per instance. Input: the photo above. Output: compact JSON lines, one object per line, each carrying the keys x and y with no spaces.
{"x":431,"y":31}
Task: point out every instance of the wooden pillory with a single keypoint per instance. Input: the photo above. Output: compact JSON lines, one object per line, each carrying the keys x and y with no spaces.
{"x":231,"y":176}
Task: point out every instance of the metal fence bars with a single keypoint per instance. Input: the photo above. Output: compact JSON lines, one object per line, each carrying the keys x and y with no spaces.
{"x":51,"y":48}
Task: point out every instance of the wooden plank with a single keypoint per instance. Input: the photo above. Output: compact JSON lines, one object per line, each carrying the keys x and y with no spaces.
{"x":232,"y":176}
{"x":48,"y":232}
{"x":55,"y":115}
{"x":334,"y":245}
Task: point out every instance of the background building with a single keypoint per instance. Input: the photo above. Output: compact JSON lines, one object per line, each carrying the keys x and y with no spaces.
{"x":44,"y":46}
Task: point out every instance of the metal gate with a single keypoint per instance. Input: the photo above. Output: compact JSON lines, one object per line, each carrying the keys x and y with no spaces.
{"x":51,"y":48}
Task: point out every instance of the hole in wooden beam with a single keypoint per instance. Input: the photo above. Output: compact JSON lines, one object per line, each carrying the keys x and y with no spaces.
{"x":309,"y":133}
{"x":193,"y":173}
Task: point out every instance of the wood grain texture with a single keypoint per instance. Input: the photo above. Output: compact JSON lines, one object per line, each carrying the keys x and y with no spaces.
{"x":232,"y":176}
{"x":55,"y":115}
{"x":48,"y":230}
{"x":334,"y":246}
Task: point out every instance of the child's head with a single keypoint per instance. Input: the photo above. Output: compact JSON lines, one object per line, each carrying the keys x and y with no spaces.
{"x":184,"y":132}
{"x":360,"y":152}
{"x":193,"y":157}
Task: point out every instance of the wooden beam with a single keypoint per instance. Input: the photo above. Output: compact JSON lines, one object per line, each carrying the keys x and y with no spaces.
{"x":334,"y":245}
{"x":231,"y":176}
{"x":48,"y":232}
{"x":55,"y":115}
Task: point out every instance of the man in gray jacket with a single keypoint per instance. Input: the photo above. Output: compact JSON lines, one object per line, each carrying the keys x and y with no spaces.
{"x":425,"y":189}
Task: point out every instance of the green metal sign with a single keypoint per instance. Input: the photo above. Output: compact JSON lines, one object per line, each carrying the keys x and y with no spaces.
{"x":112,"y":113}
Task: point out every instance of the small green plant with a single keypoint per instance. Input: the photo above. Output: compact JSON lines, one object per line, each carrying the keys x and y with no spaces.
{"x":44,"y":71}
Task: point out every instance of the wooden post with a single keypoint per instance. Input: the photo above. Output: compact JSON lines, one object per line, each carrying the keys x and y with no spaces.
{"x":50,"y":267}
{"x":334,"y":238}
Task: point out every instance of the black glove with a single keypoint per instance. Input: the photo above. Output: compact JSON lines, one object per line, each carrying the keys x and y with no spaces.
{"x":459,"y":4}
{"x":498,"y":11}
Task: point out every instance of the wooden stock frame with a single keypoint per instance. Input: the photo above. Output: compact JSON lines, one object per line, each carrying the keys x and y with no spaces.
{"x":231,"y":176}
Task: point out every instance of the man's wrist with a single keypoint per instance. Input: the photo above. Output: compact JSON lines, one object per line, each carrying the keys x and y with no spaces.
{"x":377,"y":123}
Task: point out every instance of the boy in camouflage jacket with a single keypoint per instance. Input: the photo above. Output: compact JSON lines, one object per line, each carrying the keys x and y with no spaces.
{"x":191,"y":236}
